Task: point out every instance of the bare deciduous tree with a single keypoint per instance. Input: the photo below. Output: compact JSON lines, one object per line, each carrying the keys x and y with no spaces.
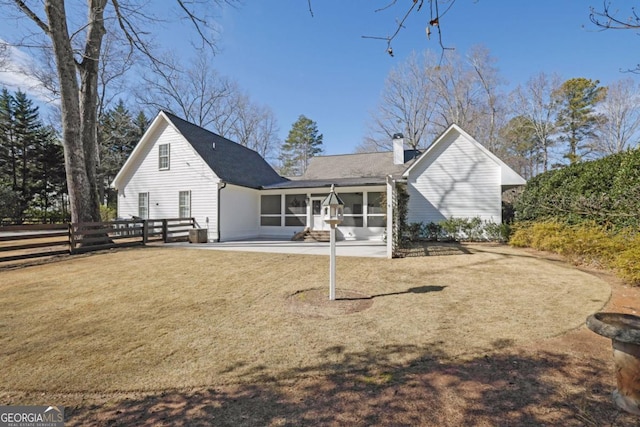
{"x":204,"y":97}
{"x":407,"y":105}
{"x":424,"y":96}
{"x":255,"y":127}
{"x":4,"y":55}
{"x":536,"y":102}
{"x":487,"y":77}
{"x":75,"y":39}
{"x":197,"y":93}
{"x":620,"y":110}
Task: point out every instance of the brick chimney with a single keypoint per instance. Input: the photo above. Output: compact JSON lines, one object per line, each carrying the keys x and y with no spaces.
{"x":398,"y":149}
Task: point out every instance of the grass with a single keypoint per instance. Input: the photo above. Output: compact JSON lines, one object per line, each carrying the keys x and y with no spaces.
{"x":165,"y":319}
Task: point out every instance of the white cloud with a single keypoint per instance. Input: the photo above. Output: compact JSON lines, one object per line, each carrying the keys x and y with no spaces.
{"x":15,"y":76}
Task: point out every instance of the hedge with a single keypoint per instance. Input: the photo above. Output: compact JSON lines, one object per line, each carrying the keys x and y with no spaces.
{"x":586,"y":243}
{"x":605,"y":192}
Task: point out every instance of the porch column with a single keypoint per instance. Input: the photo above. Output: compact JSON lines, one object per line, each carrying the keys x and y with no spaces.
{"x":309,"y":211}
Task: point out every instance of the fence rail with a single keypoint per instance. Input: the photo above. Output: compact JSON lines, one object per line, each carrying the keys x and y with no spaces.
{"x":24,"y":242}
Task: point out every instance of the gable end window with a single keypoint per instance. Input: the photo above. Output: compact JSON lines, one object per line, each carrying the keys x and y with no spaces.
{"x":163,"y":157}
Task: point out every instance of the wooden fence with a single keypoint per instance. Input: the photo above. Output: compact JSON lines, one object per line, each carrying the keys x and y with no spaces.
{"x":23,"y":242}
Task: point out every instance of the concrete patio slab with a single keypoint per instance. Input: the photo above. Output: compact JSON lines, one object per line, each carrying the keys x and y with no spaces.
{"x":357,"y":248}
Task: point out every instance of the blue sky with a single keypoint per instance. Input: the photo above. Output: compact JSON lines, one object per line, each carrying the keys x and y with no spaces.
{"x":321,"y":66}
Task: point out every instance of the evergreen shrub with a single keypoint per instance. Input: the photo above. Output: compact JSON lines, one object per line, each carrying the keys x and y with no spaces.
{"x":586,"y":243}
{"x":604,"y":191}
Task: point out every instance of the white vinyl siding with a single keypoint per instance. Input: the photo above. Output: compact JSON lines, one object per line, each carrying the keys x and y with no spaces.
{"x":457,"y":180}
{"x":143,"y":205}
{"x":188,"y":173}
{"x":239,"y":209}
{"x":164,"y":151}
{"x":184,"y":204}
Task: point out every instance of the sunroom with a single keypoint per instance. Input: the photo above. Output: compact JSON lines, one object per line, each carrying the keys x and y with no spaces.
{"x":285,"y":212}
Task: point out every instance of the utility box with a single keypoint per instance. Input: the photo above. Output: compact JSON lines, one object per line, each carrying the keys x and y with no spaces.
{"x":198,"y":235}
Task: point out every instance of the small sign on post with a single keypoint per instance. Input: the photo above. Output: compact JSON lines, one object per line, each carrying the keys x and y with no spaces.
{"x":333,"y":213}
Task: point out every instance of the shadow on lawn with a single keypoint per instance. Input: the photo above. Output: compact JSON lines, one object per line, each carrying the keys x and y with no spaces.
{"x":416,"y":290}
{"x":431,"y":248}
{"x":546,"y":388}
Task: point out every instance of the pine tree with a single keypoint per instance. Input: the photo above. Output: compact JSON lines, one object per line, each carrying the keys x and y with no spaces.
{"x":302,"y":143}
{"x":577,"y":120}
{"x":27,"y":128}
{"x":50,"y":182}
{"x":31,"y":160}
{"x":118,"y":135}
{"x":8,"y":201}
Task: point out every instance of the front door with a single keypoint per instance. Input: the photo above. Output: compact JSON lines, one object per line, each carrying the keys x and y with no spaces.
{"x":317,"y":223}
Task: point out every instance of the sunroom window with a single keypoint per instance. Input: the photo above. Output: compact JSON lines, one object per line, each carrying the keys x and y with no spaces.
{"x":353,"y":215}
{"x":296,"y":210}
{"x":270,"y":210}
{"x":375,"y":210}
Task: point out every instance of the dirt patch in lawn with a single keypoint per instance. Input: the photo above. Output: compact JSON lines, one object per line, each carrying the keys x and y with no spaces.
{"x":316,"y":303}
{"x":183,"y":337}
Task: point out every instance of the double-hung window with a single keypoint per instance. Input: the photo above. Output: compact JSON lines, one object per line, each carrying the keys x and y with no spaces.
{"x":143,"y":205}
{"x":163,"y":156}
{"x":184,"y":209}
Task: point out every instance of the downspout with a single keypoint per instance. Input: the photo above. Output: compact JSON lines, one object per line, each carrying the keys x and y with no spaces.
{"x":221,"y":185}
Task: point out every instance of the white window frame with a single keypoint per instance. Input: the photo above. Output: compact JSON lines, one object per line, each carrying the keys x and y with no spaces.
{"x":164,"y":159}
{"x":302,"y":217}
{"x":143,"y":207}
{"x":272,"y":215}
{"x":184,"y":206}
{"x":368,"y":214}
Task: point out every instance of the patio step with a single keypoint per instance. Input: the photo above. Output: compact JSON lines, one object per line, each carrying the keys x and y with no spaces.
{"x":317,"y":236}
{"x":312,"y":236}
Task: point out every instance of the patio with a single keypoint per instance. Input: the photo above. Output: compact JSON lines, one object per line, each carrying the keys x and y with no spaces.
{"x":357,"y":248}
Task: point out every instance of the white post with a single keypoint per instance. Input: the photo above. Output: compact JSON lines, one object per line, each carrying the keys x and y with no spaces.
{"x":332,"y":264}
{"x":390,"y":185}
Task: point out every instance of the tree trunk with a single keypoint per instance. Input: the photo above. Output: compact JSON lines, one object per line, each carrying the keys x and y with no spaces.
{"x":89,"y":69}
{"x":79,"y":151}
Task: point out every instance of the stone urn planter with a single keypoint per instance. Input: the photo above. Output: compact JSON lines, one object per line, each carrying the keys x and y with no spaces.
{"x":624,"y":331}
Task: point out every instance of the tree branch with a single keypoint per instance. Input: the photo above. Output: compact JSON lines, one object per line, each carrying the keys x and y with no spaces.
{"x":35,"y":18}
{"x":416,"y":6}
{"x":310,"y":9}
{"x":608,"y":20}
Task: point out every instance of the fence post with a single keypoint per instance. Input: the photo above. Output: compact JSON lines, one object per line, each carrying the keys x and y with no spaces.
{"x":72,"y":243}
{"x":145,"y":231}
{"x":165,"y":231}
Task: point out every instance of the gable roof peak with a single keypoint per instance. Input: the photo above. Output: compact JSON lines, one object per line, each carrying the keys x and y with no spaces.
{"x":231,"y":162}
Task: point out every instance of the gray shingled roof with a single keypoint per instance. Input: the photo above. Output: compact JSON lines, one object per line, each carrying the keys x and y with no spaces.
{"x":319,"y":183}
{"x":230,"y":161}
{"x":361,"y":165}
